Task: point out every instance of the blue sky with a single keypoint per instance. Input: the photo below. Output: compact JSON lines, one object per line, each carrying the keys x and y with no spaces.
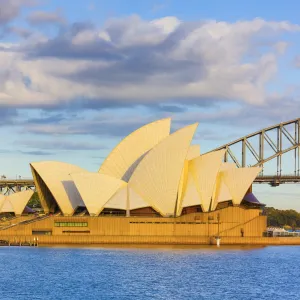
{"x":77,"y":76}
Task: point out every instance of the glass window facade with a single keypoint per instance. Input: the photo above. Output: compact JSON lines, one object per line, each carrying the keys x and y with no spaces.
{"x":76,"y":231}
{"x":70,"y":224}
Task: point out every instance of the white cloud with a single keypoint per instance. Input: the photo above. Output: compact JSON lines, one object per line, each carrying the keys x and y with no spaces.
{"x":136,"y":61}
{"x":10,"y":9}
{"x":167,"y":24}
{"x":43,"y":17}
{"x":85,"y":36}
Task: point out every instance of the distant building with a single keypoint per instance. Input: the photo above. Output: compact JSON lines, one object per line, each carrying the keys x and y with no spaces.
{"x":281,"y":232}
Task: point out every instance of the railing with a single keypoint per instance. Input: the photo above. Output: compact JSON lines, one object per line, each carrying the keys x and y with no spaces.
{"x":39,"y":218}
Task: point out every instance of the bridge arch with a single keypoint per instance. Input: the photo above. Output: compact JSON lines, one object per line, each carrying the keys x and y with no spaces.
{"x":279,"y":139}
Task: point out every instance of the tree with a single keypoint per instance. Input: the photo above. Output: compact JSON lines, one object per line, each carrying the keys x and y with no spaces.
{"x":34,"y":201}
{"x":280,"y":218}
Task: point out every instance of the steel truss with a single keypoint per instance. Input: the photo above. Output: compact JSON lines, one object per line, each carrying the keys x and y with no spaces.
{"x":8,"y":186}
{"x":287,"y":131}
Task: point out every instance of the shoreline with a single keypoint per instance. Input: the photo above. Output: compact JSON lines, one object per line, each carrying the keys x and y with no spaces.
{"x":146,"y":241}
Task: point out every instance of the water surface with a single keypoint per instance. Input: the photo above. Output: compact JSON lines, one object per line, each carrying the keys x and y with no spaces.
{"x":150,"y":273}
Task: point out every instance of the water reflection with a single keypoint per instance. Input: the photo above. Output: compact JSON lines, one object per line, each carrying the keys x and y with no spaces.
{"x":152,"y":247}
{"x":150,"y":272}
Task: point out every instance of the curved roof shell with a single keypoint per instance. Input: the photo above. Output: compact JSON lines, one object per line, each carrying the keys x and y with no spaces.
{"x":194,"y":151}
{"x":119,"y":199}
{"x":96,"y":189}
{"x":190,"y":195}
{"x":7,"y":206}
{"x":157,"y":176}
{"x":204,"y":170}
{"x":238,"y":181}
{"x":52,"y":180}
{"x":183,"y":183}
{"x":148,"y":168}
{"x":222,"y":193}
{"x":2,"y":199}
{"x":16,"y":202}
{"x":125,"y":157}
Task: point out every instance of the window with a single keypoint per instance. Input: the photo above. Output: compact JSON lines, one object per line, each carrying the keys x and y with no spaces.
{"x":171,"y":223}
{"x":76,"y":231}
{"x":41,"y":232}
{"x":70,"y":224}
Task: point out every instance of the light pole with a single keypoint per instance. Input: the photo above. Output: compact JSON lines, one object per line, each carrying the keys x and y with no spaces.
{"x":218,"y":238}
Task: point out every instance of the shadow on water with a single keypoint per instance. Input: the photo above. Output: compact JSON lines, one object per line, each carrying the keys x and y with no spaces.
{"x":151,"y":247}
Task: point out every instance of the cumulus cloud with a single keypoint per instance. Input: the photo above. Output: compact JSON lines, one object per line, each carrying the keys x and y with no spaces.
{"x":132,"y":61}
{"x":239,"y":119}
{"x":103,"y":124}
{"x":43,"y":17}
{"x":236,"y":121}
{"x":19,"y":31}
{"x":10,"y":9}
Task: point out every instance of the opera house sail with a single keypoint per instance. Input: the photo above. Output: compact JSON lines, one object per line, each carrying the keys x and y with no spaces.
{"x":154,"y":187}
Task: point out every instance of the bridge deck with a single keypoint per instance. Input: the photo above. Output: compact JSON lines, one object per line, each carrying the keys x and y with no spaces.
{"x":277,"y":180}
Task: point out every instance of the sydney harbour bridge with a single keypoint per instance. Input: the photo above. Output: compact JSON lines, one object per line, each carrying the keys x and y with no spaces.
{"x":267,"y":148}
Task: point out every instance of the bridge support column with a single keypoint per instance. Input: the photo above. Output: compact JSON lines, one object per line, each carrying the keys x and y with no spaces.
{"x":244,"y":152}
{"x":261,"y":149}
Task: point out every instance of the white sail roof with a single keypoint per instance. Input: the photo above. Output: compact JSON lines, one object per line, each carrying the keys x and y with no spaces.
{"x":127,"y":154}
{"x":222,"y":193}
{"x":54,"y":176}
{"x":204,"y":170}
{"x":157,"y":176}
{"x":96,"y":189}
{"x":238,"y":181}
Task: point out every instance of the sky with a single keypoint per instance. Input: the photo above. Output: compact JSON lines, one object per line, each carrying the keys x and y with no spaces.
{"x":78,"y":76}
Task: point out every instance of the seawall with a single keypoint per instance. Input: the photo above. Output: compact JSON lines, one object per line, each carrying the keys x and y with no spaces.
{"x":153,"y":240}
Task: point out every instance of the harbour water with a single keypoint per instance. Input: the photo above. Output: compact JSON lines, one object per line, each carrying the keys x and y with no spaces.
{"x":150,"y":273}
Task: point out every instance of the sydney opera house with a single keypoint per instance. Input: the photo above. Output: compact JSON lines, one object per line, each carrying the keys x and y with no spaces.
{"x":154,"y":187}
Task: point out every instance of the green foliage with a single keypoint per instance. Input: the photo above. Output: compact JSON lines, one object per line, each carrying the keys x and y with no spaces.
{"x":280,"y":218}
{"x":34,"y":202}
